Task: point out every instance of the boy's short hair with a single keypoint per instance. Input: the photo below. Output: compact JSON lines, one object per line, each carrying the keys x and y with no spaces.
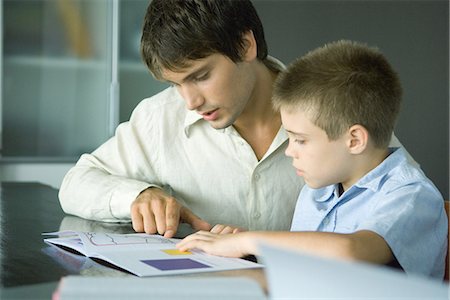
{"x":176,"y":31}
{"x":342,"y":84}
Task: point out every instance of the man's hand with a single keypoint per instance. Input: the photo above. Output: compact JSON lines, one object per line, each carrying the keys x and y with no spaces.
{"x":154,"y":211}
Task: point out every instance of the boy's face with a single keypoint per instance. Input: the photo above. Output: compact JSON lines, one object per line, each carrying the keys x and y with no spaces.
{"x":318,"y":160}
{"x":215,"y":87}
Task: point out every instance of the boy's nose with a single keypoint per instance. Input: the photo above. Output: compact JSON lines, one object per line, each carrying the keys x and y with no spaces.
{"x":289,"y":151}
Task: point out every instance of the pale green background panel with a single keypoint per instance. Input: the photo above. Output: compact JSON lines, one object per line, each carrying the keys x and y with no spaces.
{"x":136,"y":82}
{"x":55,"y":100}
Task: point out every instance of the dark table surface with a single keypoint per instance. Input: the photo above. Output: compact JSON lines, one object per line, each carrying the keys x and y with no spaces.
{"x":27,"y":210}
{"x":28,"y":265}
{"x":31,"y":269}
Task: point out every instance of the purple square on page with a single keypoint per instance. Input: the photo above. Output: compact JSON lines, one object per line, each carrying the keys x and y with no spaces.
{"x":175,"y":264}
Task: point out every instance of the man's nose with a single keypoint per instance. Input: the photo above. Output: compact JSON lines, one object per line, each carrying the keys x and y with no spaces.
{"x":192,"y":97}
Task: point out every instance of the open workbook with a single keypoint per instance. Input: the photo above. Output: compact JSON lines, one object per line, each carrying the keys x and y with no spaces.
{"x":143,"y":254}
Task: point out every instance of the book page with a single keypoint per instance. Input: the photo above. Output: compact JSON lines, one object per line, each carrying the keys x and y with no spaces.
{"x":113,"y":242}
{"x":148,"y":255}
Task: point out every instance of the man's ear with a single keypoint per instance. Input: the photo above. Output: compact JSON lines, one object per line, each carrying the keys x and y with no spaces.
{"x":250,"y":47}
{"x":358,"y":137}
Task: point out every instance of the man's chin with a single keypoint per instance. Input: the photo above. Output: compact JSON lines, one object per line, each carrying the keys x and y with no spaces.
{"x":218,"y":125}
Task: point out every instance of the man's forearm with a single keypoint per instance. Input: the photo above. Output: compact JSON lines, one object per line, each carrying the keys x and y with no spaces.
{"x":91,"y":193}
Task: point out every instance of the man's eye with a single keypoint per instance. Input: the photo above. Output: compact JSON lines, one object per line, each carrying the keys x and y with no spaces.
{"x":300,"y":142}
{"x":202,"y":77}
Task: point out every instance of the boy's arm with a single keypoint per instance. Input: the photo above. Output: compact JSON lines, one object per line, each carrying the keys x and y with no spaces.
{"x":362,"y":245}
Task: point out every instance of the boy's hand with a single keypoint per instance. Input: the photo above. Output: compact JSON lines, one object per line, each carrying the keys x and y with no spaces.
{"x":225,"y":229}
{"x":154,"y":211}
{"x":229,"y":245}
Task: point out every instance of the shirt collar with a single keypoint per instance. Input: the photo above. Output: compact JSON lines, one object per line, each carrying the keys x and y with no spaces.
{"x":325,"y":193}
{"x":375,"y":177}
{"x":193,"y":118}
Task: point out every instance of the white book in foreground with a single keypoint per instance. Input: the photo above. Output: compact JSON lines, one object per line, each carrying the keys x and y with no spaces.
{"x":143,"y":254}
{"x":167,"y":288}
{"x":296,"y":275}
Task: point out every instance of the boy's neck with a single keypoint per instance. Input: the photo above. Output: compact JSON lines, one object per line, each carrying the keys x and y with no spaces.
{"x":364,"y":163}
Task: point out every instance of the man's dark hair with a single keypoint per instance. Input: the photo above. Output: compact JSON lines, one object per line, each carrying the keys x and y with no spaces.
{"x":176,"y":31}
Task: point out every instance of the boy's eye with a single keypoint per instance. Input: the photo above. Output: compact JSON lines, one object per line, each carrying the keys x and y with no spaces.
{"x":298,"y":141}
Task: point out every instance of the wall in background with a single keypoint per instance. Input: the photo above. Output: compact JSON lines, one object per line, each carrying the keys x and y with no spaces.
{"x":414,"y":35}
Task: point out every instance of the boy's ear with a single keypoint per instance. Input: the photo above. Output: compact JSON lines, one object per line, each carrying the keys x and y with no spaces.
{"x":250,"y":47}
{"x":358,"y":137}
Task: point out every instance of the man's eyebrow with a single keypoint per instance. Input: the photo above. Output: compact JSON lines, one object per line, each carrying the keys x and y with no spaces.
{"x":194,"y":74}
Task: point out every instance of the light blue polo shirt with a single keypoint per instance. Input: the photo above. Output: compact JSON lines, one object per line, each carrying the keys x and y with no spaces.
{"x":396,"y":201}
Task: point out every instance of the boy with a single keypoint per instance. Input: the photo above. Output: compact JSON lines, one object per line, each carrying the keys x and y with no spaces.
{"x":362,"y":199}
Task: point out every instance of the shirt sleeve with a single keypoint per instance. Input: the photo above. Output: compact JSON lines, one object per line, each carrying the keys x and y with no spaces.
{"x":102,"y":185}
{"x":412,"y":220}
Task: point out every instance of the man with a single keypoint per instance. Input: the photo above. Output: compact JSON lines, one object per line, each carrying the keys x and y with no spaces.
{"x":209,"y":149}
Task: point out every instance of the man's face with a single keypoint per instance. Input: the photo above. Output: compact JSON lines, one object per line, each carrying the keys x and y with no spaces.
{"x":215,"y":87}
{"x":318,"y":160}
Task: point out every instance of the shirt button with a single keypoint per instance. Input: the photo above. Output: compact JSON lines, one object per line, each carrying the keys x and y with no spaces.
{"x":256,"y":215}
{"x":257,"y":176}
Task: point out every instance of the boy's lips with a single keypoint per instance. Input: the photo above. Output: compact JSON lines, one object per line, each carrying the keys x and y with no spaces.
{"x":299,"y":172}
